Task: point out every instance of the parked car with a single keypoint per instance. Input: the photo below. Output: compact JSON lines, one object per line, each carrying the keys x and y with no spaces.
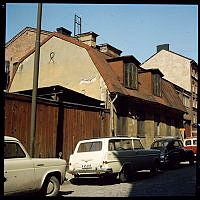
{"x":25,"y":174}
{"x":191,"y":143}
{"x":172,"y":152}
{"x":115,"y":156}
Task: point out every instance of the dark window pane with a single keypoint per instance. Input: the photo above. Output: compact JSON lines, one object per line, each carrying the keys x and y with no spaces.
{"x":13,"y":150}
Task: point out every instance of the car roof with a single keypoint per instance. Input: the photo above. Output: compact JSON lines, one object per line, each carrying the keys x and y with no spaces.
{"x":9,"y":138}
{"x":108,"y":138}
{"x":167,"y":139}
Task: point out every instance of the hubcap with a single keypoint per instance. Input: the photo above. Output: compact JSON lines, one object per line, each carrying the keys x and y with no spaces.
{"x":50,"y":188}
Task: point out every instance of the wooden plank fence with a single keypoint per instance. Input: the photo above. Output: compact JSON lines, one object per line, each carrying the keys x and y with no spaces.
{"x":59,"y":126}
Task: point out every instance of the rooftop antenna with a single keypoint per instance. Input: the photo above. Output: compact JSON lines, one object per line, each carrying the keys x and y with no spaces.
{"x":77,"y":24}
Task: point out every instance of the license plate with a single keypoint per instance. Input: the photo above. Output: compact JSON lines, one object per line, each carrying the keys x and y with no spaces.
{"x":86,"y":166}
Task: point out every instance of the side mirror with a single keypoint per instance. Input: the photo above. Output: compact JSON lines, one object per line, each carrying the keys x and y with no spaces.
{"x":60,"y":154}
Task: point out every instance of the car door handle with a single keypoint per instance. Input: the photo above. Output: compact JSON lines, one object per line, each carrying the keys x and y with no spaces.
{"x":40,"y":165}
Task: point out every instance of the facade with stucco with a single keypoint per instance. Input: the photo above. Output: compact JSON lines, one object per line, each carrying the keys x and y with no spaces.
{"x":61,"y":63}
{"x":183,"y":73}
{"x":70,"y":63}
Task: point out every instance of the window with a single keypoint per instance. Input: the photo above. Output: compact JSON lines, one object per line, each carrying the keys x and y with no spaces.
{"x":90,"y":146}
{"x":141,"y":124}
{"x":130,"y":76}
{"x":13,"y":150}
{"x":7,"y":66}
{"x":137,"y":144}
{"x":156,"y":85}
{"x":186,"y":100}
{"x":120,"y":144}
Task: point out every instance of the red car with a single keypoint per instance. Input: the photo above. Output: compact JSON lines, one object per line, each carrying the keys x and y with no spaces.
{"x":191,"y":143}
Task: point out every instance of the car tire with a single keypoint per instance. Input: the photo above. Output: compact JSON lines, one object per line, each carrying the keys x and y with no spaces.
{"x":51,"y":187}
{"x":191,"y":161}
{"x":124,"y":175}
{"x":155,"y":168}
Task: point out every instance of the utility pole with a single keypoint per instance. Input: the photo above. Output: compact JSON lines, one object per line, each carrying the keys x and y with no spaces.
{"x":35,"y":80}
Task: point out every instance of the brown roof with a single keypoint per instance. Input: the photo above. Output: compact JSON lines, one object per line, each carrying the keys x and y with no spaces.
{"x":169,"y":97}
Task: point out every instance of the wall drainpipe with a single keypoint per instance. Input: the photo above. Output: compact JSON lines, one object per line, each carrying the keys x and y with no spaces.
{"x":112,"y":115}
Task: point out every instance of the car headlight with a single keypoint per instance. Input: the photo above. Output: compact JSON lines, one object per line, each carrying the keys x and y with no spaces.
{"x":162,"y":156}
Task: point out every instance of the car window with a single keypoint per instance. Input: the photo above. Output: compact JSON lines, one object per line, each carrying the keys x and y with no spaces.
{"x":13,"y":150}
{"x":188,"y":142}
{"x":176,"y":143}
{"x":160,"y":144}
{"x":90,"y":146}
{"x":120,"y":144}
{"x":137,"y":144}
{"x":194,"y":142}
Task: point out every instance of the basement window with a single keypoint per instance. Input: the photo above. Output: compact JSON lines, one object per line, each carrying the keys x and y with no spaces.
{"x":130,"y":76}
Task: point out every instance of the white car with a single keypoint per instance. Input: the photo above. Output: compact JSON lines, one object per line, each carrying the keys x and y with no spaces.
{"x":112,"y":156}
{"x":25,"y":174}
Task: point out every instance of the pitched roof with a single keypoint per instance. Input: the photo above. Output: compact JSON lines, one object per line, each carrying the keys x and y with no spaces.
{"x":110,"y":77}
{"x":23,"y":31}
{"x":170,"y":52}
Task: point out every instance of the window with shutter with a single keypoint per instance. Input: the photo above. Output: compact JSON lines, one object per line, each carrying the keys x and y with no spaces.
{"x":156,"y":85}
{"x":130,"y":76}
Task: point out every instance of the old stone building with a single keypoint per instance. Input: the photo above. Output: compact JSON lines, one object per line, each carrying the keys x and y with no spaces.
{"x":141,"y":102}
{"x":182,"y":72}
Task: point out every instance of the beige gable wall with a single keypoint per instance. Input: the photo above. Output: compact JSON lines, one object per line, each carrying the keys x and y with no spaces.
{"x":71,"y":67}
{"x":175,"y":68}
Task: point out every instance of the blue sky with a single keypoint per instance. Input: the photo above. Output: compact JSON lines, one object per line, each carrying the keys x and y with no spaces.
{"x":134,"y":29}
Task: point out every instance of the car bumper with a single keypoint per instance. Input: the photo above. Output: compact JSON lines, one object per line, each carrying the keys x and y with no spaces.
{"x":90,"y":171}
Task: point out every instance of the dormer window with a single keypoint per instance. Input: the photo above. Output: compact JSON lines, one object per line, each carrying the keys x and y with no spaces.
{"x":130,"y":76}
{"x":156,"y":84}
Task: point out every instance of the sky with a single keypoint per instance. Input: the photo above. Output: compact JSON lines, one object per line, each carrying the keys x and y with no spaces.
{"x":134,"y":29}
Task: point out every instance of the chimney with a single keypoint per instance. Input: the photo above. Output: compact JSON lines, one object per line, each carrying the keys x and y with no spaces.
{"x":88,"y":38}
{"x":64,"y":31}
{"x":163,"y":46}
{"x":109,"y":50}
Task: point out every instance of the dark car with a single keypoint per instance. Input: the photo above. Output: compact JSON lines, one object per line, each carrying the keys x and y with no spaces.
{"x":172,"y":152}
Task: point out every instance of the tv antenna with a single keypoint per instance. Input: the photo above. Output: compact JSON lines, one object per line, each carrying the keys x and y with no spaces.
{"x":77,"y":25}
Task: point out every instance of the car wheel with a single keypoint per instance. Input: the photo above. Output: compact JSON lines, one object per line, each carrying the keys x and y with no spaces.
{"x":124,"y":175}
{"x":155,"y":168}
{"x":51,"y":187}
{"x":191,"y":161}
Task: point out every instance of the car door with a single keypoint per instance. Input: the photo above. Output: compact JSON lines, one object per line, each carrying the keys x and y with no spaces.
{"x":18,"y":169}
{"x":141,"y":156}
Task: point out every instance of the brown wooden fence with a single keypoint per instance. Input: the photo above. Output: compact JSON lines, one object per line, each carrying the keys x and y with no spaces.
{"x":59,"y":126}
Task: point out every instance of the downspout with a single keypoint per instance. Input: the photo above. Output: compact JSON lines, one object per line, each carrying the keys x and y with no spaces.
{"x":112,"y":115}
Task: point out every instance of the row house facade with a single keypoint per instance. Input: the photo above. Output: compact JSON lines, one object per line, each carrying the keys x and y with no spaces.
{"x":141,"y":102}
{"x":182,"y":72}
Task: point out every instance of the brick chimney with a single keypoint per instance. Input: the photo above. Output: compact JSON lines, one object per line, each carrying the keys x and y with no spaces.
{"x":88,"y":38}
{"x":64,"y":31}
{"x":109,"y":50}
